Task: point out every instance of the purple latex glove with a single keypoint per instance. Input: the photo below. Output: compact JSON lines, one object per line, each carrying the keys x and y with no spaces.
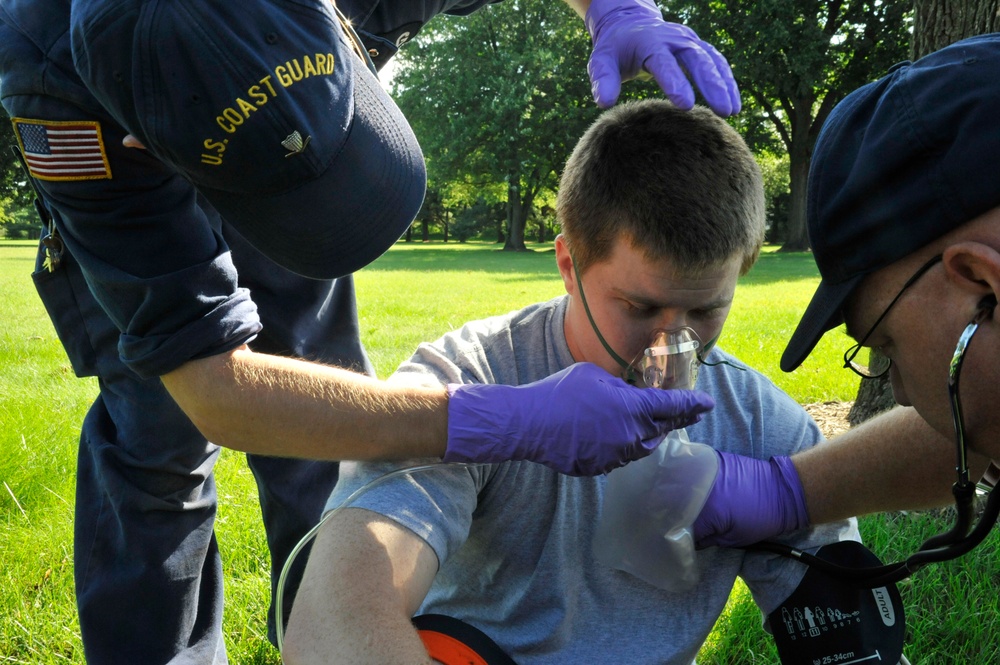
{"x":631,"y":36}
{"x":752,"y":500}
{"x":581,"y":421}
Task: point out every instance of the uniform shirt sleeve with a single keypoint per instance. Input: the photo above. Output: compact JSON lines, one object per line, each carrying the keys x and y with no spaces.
{"x":436,"y":501}
{"x":151,"y":250}
{"x":152,"y":255}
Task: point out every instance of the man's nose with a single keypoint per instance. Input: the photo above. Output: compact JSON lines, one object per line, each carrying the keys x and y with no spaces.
{"x":671,"y":320}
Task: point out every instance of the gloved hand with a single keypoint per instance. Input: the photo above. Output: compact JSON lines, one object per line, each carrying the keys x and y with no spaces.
{"x":631,"y":35}
{"x":581,"y":421}
{"x":752,"y":500}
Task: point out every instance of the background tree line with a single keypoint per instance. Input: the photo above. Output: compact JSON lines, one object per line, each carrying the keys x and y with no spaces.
{"x":17,"y":214}
{"x":499,"y":98}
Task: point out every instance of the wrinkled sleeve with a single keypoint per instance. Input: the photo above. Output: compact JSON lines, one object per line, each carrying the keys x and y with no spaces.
{"x":151,"y":250}
{"x":434,"y":500}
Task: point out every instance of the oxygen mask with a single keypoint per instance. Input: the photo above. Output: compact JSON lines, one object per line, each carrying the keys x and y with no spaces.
{"x":650,"y":504}
{"x":669,"y":361}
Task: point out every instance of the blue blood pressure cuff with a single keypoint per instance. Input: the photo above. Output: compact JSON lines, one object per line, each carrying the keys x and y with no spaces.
{"x":828,"y":621}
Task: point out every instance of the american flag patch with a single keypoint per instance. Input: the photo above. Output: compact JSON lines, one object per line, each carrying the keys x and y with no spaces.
{"x":63,"y":150}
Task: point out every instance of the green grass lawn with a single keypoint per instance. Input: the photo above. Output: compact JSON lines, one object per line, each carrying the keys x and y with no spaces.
{"x":414,"y":293}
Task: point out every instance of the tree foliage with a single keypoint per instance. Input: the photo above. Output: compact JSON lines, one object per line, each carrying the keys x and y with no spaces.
{"x":795,"y":59}
{"x":17,"y":213}
{"x":500,"y":96}
{"x":474,"y":220}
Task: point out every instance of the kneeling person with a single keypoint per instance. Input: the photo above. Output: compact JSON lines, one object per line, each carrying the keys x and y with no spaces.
{"x":661,"y":212}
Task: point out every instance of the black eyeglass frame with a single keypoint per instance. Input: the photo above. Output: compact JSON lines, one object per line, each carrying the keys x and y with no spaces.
{"x":862,"y":370}
{"x":943,"y":547}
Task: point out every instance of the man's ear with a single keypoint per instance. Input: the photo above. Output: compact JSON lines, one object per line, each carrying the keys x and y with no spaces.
{"x":973,"y":267}
{"x":564,"y":260}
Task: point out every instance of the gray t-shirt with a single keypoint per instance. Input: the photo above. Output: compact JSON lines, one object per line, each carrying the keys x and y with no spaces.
{"x":514,"y":539}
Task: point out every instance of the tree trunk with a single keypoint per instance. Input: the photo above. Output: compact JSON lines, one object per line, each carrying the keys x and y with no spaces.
{"x":936,"y":24}
{"x":799,"y":154}
{"x":445,"y":225}
{"x":874,"y":395}
{"x":797,"y":239}
{"x":516,"y":217}
{"x":409,"y":233}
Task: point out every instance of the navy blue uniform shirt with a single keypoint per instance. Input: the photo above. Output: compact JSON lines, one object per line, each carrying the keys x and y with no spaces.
{"x":152,"y":250}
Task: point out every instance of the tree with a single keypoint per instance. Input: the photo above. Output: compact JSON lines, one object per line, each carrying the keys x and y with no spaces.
{"x":476,"y":219}
{"x":499,"y":97}
{"x":794,"y":60}
{"x":17,"y":213}
{"x":774,"y":169}
{"x":937,"y":23}
{"x":433,"y":212}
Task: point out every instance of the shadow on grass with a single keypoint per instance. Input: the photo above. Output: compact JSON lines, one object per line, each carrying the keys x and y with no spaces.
{"x":539,"y":261}
{"x":471,"y":257}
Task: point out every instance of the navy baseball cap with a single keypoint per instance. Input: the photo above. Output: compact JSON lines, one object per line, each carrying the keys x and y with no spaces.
{"x":269,"y":109}
{"x":899,"y":163}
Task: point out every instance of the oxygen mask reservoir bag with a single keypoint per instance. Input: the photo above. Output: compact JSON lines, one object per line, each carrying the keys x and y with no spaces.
{"x":650,"y":504}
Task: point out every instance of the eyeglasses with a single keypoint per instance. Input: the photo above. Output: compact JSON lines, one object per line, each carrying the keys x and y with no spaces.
{"x":861,"y":369}
{"x":963,"y":537}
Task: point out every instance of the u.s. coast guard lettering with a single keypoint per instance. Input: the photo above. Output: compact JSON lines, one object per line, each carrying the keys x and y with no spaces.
{"x":231,"y":118}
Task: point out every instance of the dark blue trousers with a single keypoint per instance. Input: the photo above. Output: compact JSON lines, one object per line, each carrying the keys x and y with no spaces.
{"x":148,"y":570}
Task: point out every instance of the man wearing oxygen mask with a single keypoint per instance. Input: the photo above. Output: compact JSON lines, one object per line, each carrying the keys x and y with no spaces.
{"x":904,"y":215}
{"x":661,"y":212}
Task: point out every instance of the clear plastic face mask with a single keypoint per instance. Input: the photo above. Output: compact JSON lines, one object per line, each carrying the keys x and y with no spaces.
{"x":669,"y":361}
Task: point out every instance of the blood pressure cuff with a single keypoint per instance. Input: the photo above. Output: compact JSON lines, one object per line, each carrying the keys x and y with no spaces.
{"x":828,"y":620}
{"x":453,"y":642}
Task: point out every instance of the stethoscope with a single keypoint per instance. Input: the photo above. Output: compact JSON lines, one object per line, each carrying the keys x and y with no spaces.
{"x":943,"y":547}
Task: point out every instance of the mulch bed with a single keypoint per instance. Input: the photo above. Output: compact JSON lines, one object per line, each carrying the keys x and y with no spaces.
{"x":830,"y":416}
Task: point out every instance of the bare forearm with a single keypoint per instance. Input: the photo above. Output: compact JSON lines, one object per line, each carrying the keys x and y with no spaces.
{"x":281,"y":406}
{"x":893,"y":462}
{"x":579,"y":6}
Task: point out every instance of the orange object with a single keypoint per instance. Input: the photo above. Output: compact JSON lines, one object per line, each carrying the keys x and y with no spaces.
{"x":449,"y":650}
{"x":451,"y":641}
